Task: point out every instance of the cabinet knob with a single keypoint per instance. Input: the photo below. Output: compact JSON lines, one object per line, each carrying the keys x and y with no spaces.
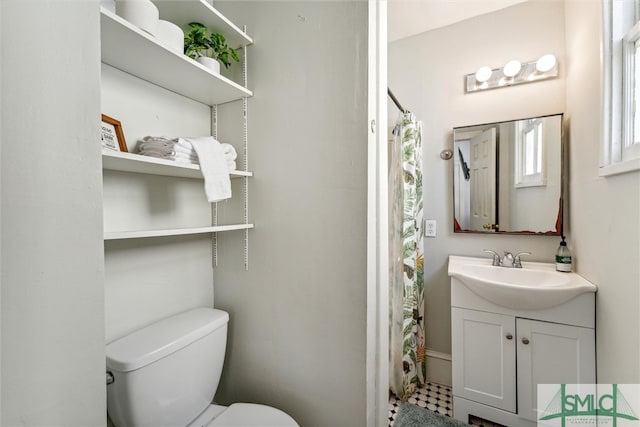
{"x":509,"y":336}
{"x":525,"y":341}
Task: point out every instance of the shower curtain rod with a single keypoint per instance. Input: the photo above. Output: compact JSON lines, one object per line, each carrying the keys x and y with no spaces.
{"x":395,"y":101}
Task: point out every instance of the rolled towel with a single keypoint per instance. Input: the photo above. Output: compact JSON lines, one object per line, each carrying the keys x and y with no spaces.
{"x":229,"y":152}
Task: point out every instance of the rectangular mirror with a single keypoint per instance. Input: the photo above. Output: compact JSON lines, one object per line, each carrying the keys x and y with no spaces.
{"x":508,"y":177}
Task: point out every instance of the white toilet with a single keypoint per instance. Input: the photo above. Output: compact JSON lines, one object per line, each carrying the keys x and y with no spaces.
{"x":167,"y":373}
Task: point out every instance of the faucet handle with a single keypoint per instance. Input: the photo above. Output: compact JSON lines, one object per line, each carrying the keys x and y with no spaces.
{"x":496,"y":257}
{"x":516,"y":259}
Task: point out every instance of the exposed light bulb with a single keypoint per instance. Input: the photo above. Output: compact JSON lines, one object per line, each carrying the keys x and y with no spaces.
{"x":512,"y":68}
{"x":483,"y":74}
{"x":546,"y":63}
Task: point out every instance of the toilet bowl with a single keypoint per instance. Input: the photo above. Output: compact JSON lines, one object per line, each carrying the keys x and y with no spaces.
{"x":167,"y":373}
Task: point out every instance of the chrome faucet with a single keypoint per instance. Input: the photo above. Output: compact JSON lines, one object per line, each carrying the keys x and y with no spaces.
{"x":497,"y":261}
{"x":516,"y":259}
{"x":508,"y":260}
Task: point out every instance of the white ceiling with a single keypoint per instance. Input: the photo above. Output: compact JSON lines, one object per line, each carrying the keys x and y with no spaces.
{"x":409,"y":17}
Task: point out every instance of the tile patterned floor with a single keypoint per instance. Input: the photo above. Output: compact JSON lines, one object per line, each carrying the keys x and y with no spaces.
{"x":436,"y":398}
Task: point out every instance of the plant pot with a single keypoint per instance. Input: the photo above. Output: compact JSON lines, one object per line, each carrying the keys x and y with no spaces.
{"x":210,"y":63}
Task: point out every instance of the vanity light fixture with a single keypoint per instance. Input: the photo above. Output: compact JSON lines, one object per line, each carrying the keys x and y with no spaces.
{"x":514,"y":72}
{"x":483,"y":74}
{"x":546,"y":63}
{"x":511,"y":69}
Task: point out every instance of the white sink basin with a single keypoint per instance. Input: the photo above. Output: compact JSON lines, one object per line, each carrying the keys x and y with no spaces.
{"x":536,"y":285}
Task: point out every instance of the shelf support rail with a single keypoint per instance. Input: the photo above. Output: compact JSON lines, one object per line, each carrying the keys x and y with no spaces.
{"x":214,"y":206}
{"x":245,"y":137}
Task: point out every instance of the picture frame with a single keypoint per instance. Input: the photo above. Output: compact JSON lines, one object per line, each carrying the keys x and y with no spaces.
{"x":112,"y":135}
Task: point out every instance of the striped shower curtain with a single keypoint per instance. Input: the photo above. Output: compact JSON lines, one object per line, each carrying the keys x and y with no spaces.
{"x":407,"y":368}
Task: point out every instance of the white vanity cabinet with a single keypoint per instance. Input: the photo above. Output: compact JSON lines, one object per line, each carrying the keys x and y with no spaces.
{"x":551,"y":353}
{"x":497,"y":357}
{"x":500,"y":355}
{"x":484,"y":357}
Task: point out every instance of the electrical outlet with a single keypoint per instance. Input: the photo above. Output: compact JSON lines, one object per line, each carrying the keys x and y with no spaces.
{"x":430,"y":228}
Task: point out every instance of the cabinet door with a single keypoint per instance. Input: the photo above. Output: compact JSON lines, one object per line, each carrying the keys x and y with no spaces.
{"x":550,"y":353}
{"x":483,"y":357}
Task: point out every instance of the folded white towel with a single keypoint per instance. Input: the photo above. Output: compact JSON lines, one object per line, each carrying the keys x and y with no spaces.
{"x":156,"y":148}
{"x":166,"y":153}
{"x":188,"y":151}
{"x":184,"y":143}
{"x":183,"y":151}
{"x":184,"y":160}
{"x":157,"y":142}
{"x":217,"y":184}
{"x":160,"y":139}
{"x":174,"y":157}
{"x":193,"y":156}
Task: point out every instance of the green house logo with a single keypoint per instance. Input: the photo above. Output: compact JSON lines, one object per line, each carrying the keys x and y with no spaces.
{"x":588,"y":405}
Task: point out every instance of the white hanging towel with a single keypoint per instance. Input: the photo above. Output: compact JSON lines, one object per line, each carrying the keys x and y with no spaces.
{"x":213,"y":165}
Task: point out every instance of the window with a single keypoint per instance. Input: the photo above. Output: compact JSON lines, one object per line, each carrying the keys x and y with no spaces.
{"x":631,"y":90}
{"x":529,"y":164}
{"x":621,"y":106}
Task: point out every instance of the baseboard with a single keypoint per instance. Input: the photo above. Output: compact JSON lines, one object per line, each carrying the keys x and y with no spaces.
{"x":439,"y":367}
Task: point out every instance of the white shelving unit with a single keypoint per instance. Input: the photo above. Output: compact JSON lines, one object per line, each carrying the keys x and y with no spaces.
{"x":139,"y":234}
{"x":129,"y":162}
{"x":133,"y":51}
{"x":181,"y":12}
{"x":124,"y":44}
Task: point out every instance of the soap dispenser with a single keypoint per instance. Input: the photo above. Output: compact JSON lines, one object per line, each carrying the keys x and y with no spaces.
{"x":563,"y":257}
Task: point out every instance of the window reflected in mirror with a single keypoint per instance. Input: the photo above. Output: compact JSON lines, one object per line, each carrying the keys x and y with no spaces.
{"x":508,"y":177}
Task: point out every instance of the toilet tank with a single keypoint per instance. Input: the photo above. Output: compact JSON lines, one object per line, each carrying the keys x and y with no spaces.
{"x":167,"y":373}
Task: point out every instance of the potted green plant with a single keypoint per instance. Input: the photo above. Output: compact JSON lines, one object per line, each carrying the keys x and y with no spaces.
{"x":208,"y":50}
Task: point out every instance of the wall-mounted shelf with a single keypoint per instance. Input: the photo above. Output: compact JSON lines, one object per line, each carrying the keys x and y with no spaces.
{"x":181,"y":12}
{"x":129,"y":162}
{"x":116,"y":235}
{"x":129,"y":49}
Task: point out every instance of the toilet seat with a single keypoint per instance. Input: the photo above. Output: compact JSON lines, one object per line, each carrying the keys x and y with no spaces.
{"x":252,"y":415}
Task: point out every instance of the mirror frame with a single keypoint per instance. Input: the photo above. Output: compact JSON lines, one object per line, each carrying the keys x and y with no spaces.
{"x":559,"y":224}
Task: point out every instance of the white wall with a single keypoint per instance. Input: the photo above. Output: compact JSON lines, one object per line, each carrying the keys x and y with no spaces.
{"x":426,"y":74}
{"x":298,"y":316}
{"x":604,"y":212}
{"x":52,"y":279}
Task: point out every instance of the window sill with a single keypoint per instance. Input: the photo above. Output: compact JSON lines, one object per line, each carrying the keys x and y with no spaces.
{"x":632,"y":165}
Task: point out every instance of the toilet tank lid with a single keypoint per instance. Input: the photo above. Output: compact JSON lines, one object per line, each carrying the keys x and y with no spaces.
{"x":162,"y":338}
